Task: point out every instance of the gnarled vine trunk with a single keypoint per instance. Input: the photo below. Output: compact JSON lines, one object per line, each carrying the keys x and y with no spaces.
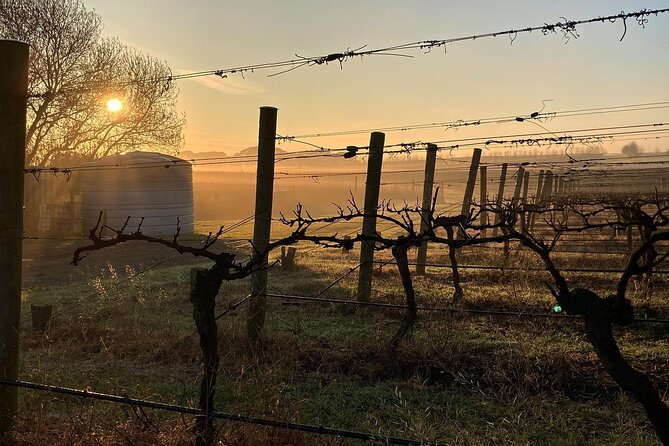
{"x":600,"y":315}
{"x":401,"y":258}
{"x":204,"y":288}
{"x":458,"y":294}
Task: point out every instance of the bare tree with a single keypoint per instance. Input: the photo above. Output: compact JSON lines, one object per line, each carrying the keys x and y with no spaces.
{"x":74,"y":72}
{"x":630,"y":149}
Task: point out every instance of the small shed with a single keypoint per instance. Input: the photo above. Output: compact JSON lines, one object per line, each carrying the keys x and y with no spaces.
{"x":149,"y":185}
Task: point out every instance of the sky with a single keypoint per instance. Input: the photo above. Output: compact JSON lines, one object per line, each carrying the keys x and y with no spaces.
{"x":470,"y":80}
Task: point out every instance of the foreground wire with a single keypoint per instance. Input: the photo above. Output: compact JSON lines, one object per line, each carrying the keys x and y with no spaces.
{"x":567,"y":28}
{"x":471,"y":311}
{"x":310,"y":428}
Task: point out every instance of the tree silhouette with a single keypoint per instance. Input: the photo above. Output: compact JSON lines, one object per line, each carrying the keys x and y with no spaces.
{"x":73,"y":73}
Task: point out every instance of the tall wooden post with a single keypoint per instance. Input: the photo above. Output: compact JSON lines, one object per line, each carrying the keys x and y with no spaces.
{"x":540,"y":186}
{"x":500,"y":196}
{"x":484,"y":197}
{"x":526,"y":185}
{"x":372,"y":188}
{"x":520,"y":177}
{"x":469,"y":189}
{"x":524,"y":216}
{"x":537,"y":197}
{"x":13,"y":105}
{"x":428,"y":184}
{"x":263,"y":219}
{"x":547,"y":188}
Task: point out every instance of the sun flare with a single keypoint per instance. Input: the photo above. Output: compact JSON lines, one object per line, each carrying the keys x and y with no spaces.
{"x":114,"y":105}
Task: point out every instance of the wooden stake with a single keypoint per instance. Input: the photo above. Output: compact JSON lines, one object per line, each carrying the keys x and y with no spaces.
{"x":524,"y":216}
{"x":500,"y":196}
{"x":372,"y":188}
{"x":263,"y":219}
{"x":520,"y":176}
{"x":13,"y":105}
{"x":526,"y":184}
{"x":428,"y":184}
{"x":484,"y":197}
{"x":469,"y":190}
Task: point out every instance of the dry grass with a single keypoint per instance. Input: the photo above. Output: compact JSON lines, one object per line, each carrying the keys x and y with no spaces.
{"x":459,"y":380}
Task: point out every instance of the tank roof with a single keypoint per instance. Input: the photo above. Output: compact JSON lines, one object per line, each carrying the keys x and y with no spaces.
{"x":135,"y":158}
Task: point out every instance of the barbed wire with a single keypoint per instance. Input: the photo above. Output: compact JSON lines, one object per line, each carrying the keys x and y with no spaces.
{"x":538,"y":115}
{"x":544,"y":142}
{"x":566,"y":28}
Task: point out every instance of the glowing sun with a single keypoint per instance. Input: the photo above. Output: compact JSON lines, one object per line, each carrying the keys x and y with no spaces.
{"x":114,"y":105}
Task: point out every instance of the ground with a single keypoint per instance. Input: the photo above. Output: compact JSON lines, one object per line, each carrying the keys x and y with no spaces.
{"x":461,"y":379}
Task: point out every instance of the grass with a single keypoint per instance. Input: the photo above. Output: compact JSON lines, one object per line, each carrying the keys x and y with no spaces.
{"x":460,"y":379}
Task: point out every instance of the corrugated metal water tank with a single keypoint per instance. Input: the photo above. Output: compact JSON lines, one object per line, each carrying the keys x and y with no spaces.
{"x":152,"y":185}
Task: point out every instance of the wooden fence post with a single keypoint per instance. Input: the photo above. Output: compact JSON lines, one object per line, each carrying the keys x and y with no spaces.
{"x":469,"y":190}
{"x":372,"y":188}
{"x":561,"y":189}
{"x":484,"y":197}
{"x":524,"y":216}
{"x":430,"y":161}
{"x":500,"y":196}
{"x":547,"y":188}
{"x":263,"y":219}
{"x":13,"y":105}
{"x":537,"y":197}
{"x":540,"y":186}
{"x":520,"y":177}
{"x":288,"y":257}
{"x":526,"y":185}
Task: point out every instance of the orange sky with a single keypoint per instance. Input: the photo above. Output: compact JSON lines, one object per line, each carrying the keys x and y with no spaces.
{"x":484,"y":78}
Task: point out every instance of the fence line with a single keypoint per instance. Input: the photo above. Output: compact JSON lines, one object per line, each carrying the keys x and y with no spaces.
{"x":504,"y":268}
{"x":471,"y":311}
{"x":135,"y":402}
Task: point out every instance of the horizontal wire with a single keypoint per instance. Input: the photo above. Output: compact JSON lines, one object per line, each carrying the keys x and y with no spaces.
{"x":135,"y":402}
{"x":439,"y":309}
{"x":454,"y":144}
{"x":568,"y":28}
{"x":539,"y":116}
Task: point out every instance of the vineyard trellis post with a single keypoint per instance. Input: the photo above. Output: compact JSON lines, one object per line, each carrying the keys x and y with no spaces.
{"x":540,"y":185}
{"x":537,"y":197}
{"x":547,"y":188}
{"x":469,"y":190}
{"x":430,"y":161}
{"x":520,"y":176}
{"x":526,"y":186}
{"x":500,"y":195}
{"x":484,"y":197}
{"x":263,"y":218}
{"x":372,"y":188}
{"x":556,"y":183}
{"x":13,"y":106}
